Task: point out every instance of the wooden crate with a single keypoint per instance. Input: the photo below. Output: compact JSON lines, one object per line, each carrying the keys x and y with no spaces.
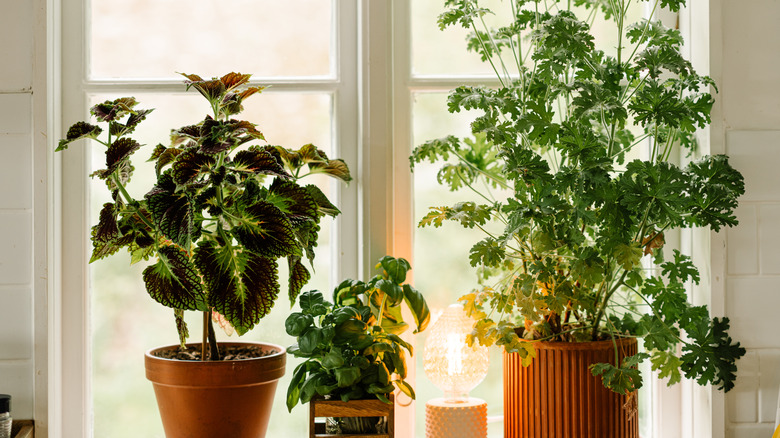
{"x":22,"y":429}
{"x":320,"y":408}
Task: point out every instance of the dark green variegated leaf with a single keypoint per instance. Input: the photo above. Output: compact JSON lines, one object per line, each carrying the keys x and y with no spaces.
{"x":335,"y":168}
{"x":189,"y":165}
{"x":166,"y":157}
{"x":113,"y":109}
{"x":158,"y":150}
{"x":299,"y":276}
{"x":210,"y":89}
{"x":173,"y":280}
{"x":185,"y":134}
{"x":242,"y":286}
{"x":233,"y":80}
{"x":102,"y":250}
{"x":294,"y":200}
{"x":107,"y":228}
{"x":266,"y":231}
{"x":258,"y":161}
{"x":249,"y":92}
{"x":119,"y":152}
{"x":77,"y":131}
{"x":323,"y":204}
{"x":172,"y":212}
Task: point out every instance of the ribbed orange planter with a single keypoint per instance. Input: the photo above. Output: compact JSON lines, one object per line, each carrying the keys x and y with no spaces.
{"x":556,"y":396}
{"x":231,"y":398}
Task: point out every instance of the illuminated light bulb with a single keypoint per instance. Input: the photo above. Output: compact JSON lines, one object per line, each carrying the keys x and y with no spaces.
{"x":449,"y":362}
{"x":456,"y":369}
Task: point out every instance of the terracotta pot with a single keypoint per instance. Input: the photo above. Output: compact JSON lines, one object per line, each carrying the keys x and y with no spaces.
{"x":208,"y":399}
{"x":556,"y":396}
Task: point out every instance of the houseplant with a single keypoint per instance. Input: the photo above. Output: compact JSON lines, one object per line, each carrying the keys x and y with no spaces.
{"x":352,"y":347}
{"x":582,"y":223}
{"x":220,"y":215}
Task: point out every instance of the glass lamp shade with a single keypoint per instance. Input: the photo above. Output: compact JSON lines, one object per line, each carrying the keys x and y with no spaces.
{"x":449,"y":362}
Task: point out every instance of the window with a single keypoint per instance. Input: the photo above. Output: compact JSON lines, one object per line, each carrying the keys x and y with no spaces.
{"x":366,"y":81}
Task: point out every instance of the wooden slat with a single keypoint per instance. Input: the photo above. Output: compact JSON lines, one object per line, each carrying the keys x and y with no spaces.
{"x":353,"y":408}
{"x":23,"y":429}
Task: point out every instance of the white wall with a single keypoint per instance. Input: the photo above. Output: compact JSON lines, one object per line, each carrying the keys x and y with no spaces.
{"x":746,"y":66}
{"x":17,"y":347}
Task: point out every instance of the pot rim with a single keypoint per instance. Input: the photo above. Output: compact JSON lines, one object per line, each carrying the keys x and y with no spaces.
{"x":586,"y":345}
{"x":281,"y":351}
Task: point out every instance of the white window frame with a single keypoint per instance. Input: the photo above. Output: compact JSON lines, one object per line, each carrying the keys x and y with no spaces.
{"x":373,"y":88}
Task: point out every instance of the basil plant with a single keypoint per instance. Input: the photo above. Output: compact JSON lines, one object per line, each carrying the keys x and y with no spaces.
{"x":352,"y":346}
{"x":224,"y":209}
{"x":574,"y":225}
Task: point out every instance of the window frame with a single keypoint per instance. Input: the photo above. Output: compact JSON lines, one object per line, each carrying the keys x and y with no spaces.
{"x":372,"y":86}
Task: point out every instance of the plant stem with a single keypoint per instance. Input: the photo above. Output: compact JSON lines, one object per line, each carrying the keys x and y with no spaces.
{"x":213,"y":345}
{"x":603,"y":307}
{"x":204,"y":340}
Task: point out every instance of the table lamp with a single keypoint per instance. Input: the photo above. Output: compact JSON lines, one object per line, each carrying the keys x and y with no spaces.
{"x":456,"y":369}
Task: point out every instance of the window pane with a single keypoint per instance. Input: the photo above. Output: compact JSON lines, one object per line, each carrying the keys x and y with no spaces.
{"x":126,"y":321}
{"x":157,"y":38}
{"x":442,"y":267}
{"x":443,"y":53}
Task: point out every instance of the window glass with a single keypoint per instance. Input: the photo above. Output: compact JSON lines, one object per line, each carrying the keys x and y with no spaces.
{"x":157,"y":38}
{"x":126,"y":321}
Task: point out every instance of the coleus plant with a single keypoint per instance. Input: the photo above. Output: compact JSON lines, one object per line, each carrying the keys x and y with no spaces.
{"x":223,"y":210}
{"x":352,"y":347}
{"x":580,"y":226}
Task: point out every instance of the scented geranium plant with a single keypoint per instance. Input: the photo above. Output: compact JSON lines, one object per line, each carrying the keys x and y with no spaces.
{"x":224,"y":209}
{"x":580,"y":253}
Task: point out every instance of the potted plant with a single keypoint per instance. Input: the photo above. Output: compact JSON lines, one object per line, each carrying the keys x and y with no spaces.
{"x":222,"y":212}
{"x":352,"y":347}
{"x":580,"y":258}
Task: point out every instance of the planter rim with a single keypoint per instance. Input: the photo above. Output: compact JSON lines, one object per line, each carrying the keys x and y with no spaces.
{"x":587,"y":345}
{"x":224,"y":373}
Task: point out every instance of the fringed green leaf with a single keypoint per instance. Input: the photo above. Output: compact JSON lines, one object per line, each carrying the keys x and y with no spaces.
{"x":119,"y":152}
{"x":267,"y":231}
{"x":242,"y":286}
{"x":299,"y":276}
{"x":258,"y":161}
{"x":172,"y":212}
{"x":77,"y":131}
{"x":189,"y":165}
{"x":173,"y":280}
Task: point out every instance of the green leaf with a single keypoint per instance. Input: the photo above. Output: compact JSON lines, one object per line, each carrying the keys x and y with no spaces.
{"x":405,"y":388}
{"x":396,"y":268}
{"x":258,"y":162}
{"x":77,"y":131}
{"x":324,"y":206}
{"x":332,"y":360}
{"x":294,"y":389}
{"x":299,"y":276}
{"x":347,"y":376}
{"x":668,"y":364}
{"x":310,"y":299}
{"x":173,"y":280}
{"x":622,"y":380}
{"x":172,"y":211}
{"x":487,"y":252}
{"x":416,"y":302}
{"x":711,"y":356}
{"x":243,"y":286}
{"x":310,"y":340}
{"x":107,"y":229}
{"x":681,"y":270}
{"x":296,"y":323}
{"x":190,"y":165}
{"x":267,"y":231}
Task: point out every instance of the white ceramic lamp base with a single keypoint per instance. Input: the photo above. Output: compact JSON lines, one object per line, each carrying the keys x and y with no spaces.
{"x":456,"y":420}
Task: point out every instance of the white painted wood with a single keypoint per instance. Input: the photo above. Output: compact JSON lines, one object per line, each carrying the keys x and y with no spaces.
{"x":751,"y":305}
{"x":16,"y":378}
{"x":768,"y":226}
{"x":16,"y":33}
{"x":744,"y":408}
{"x":16,"y":241}
{"x":15,"y":112}
{"x":16,"y":325}
{"x":768,"y":385}
{"x":743,"y":242}
{"x":16,"y":170}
